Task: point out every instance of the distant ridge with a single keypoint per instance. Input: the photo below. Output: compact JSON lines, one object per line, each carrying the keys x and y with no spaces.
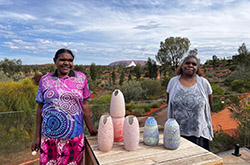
{"x":126,"y":63}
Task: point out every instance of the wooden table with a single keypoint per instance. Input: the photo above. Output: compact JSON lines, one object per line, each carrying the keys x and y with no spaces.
{"x":187,"y":153}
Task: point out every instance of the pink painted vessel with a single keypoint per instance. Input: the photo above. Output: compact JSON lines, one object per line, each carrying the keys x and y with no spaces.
{"x":118,"y":128}
{"x":117,"y":104}
{"x":105,"y":135}
{"x":131,"y":133}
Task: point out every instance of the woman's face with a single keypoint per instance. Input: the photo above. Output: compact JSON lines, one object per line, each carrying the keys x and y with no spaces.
{"x":190,"y":67}
{"x":64,"y":63}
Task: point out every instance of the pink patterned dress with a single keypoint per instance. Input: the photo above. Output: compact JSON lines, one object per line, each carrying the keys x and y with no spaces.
{"x":62,"y":140}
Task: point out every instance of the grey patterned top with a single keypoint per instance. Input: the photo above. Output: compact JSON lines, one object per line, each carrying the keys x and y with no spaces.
{"x":190,"y":108}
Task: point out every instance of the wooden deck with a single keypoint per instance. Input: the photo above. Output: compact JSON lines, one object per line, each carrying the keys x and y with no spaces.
{"x":187,"y":153}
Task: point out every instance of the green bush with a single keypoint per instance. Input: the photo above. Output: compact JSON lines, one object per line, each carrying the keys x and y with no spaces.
{"x":104,"y":99}
{"x":133,"y":91}
{"x":218,"y":103}
{"x":4,"y":77}
{"x":228,"y":82}
{"x":232,"y":67}
{"x":130,"y":106}
{"x":152,"y":88}
{"x":138,"y":111}
{"x":165,"y":81}
{"x":152,"y":97}
{"x":217,"y":90}
{"x":146,"y":108}
{"x":138,"y":107}
{"x":155,"y":105}
{"x":221,"y":142}
{"x":91,"y":84}
{"x":98,"y":107}
{"x":241,"y":86}
{"x":17,"y":128}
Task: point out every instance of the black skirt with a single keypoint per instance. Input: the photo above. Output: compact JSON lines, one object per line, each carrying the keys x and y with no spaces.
{"x":203,"y":142}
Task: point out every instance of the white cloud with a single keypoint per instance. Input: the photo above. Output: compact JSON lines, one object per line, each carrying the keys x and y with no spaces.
{"x":28,"y":59}
{"x":123,"y":29}
{"x":6,"y":2}
{"x":17,"y":16}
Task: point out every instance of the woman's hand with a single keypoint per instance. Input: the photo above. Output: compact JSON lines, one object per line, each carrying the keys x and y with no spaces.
{"x":36,"y":144}
{"x":93,"y":131}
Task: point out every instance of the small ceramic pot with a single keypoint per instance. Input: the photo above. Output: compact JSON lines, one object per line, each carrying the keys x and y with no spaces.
{"x":117,"y":104}
{"x":105,"y":135}
{"x":151,"y":132}
{"x":171,"y":137}
{"x":131,"y":133}
{"x":118,"y":128}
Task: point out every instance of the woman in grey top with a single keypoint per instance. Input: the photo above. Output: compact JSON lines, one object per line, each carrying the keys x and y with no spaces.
{"x":190,"y":102}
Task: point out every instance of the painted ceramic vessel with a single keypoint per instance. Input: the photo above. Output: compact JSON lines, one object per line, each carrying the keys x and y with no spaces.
{"x":151,"y":132}
{"x":171,"y":137}
{"x":117,"y":104}
{"x":118,"y":128}
{"x":105,"y":135}
{"x":131,"y":133}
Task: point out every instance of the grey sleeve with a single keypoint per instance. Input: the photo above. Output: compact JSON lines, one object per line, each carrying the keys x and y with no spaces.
{"x":207,"y":86}
{"x":170,"y":85}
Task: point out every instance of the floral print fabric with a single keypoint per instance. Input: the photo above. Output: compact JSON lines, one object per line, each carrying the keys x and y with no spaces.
{"x":62,"y":112}
{"x":61,"y":151}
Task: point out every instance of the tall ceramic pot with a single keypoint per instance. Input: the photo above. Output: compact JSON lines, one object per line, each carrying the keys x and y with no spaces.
{"x":117,"y":104}
{"x":171,"y":138}
{"x":105,"y":135}
{"x":151,"y":132}
{"x":118,"y":128}
{"x":131,"y":133}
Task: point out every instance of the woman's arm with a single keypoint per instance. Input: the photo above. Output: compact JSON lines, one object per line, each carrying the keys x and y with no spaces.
{"x":36,"y":143}
{"x":167,"y":97}
{"x":210,"y":99}
{"x":87,"y":118}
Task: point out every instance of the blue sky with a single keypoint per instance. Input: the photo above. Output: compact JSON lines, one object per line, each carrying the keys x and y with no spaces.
{"x":104,"y":31}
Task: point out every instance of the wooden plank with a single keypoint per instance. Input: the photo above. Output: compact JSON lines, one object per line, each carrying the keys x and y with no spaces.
{"x":187,"y":153}
{"x":89,"y":157}
{"x":158,"y":155}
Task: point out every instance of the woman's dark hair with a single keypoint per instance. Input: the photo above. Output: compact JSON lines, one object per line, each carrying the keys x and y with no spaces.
{"x":179,"y":70}
{"x":61,"y":51}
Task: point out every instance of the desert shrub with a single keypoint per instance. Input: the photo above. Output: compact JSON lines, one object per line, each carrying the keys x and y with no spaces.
{"x":228,"y":81}
{"x":152,"y":88}
{"x":17,"y":76}
{"x":98,"y":107}
{"x":133,"y":91}
{"x":218,"y":103}
{"x":17,"y":127}
{"x":146,"y":108}
{"x":91,"y":84}
{"x":221,"y":142}
{"x":241,"y":86}
{"x":240,"y":111}
{"x":104,"y":99}
{"x":232,"y":67}
{"x":165,"y":81}
{"x":155,"y":105}
{"x":130,"y":106}
{"x":138,"y":111}
{"x":4,"y":77}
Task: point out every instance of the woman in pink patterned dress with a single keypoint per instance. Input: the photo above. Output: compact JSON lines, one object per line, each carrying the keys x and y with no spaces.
{"x":62,"y":99}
